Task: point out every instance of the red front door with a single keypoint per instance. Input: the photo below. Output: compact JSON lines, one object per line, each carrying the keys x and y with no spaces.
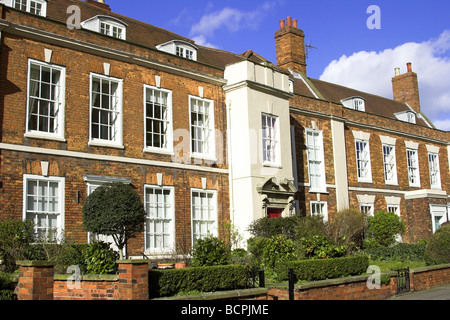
{"x":274,"y":213}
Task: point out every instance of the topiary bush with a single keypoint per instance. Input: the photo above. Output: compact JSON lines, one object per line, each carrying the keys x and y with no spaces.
{"x":210,"y":251}
{"x":437,"y":250}
{"x":315,"y":270}
{"x":163,"y":283}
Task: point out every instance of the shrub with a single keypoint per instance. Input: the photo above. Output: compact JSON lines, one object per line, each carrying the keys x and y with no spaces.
{"x":347,"y":227}
{"x":15,"y":238}
{"x":269,"y":227}
{"x":437,"y":250}
{"x":315,"y":270}
{"x":256,"y":247}
{"x":7,"y":286}
{"x":240,"y":256}
{"x":310,"y":226}
{"x":278,"y":249}
{"x":115,"y":209}
{"x":319,"y":247}
{"x":400,"y":252}
{"x":210,"y":251}
{"x":163,"y":283}
{"x":99,"y":258}
{"x":383,"y":227}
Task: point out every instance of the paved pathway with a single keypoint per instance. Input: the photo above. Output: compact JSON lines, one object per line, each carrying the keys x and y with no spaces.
{"x":441,"y":293}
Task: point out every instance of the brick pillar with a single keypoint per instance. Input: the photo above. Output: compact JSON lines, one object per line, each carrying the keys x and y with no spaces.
{"x":133,"y":279}
{"x":36,"y":280}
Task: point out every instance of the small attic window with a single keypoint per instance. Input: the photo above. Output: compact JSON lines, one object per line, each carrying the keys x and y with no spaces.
{"x":407,"y":116}
{"x":107,"y":25}
{"x":37,"y":7}
{"x":355,"y":103}
{"x":180,"y":48}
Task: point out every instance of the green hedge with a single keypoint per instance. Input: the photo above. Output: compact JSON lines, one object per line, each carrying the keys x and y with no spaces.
{"x":403,"y":252}
{"x":315,"y":270}
{"x":164,"y":283}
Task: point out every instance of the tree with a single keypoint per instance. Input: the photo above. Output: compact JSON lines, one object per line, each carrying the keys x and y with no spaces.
{"x":115,"y":209}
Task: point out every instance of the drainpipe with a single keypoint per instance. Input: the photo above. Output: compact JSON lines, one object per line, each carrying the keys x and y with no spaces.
{"x":230,"y":160}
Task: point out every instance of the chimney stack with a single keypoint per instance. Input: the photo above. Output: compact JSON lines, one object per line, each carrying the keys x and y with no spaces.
{"x":406,"y":88}
{"x":100,"y":4}
{"x":290,"y":46}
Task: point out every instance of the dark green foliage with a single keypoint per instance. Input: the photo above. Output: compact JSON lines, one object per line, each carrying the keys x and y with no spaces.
{"x":114,"y":209}
{"x":256,"y":247}
{"x":383,"y":228}
{"x":15,"y":237}
{"x":437,"y":250}
{"x":210,"y":251}
{"x":7,"y":286}
{"x":99,"y":258}
{"x":319,"y":247}
{"x":278,"y":249}
{"x":400,"y":252}
{"x":269,"y":227}
{"x":315,"y":270}
{"x":163,"y":283}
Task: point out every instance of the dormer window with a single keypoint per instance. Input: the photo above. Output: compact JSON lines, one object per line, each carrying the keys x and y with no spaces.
{"x":180,"y":48}
{"x":106,"y":25}
{"x":407,"y":116}
{"x":355,"y":103}
{"x":37,"y":7}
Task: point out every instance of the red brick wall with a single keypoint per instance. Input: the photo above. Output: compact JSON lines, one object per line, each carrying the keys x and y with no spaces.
{"x":88,"y":290}
{"x":427,"y":278}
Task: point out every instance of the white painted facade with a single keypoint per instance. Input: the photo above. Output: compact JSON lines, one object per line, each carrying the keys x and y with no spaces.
{"x":256,"y":186}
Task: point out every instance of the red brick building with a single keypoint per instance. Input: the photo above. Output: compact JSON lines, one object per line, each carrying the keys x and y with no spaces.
{"x":205,"y":136}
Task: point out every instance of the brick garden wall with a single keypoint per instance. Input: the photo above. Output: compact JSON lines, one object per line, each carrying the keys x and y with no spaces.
{"x":37,"y":282}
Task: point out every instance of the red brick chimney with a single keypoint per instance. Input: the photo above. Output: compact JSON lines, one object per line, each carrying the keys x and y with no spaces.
{"x":290,"y":46}
{"x":406,"y":88}
{"x":99,"y":3}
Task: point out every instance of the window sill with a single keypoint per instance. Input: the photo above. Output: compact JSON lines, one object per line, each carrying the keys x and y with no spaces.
{"x":272,"y":165}
{"x":159,"y":151}
{"x":33,"y":135}
{"x":205,"y":157}
{"x":105,"y":144}
{"x":323,"y":191}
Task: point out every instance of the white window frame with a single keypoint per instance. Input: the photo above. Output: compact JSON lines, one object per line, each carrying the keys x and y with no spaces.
{"x":389,"y":164}
{"x":112,"y":29}
{"x":434,"y":170}
{"x":270,"y":140}
{"x":207,"y":131}
{"x":319,"y":208}
{"x":213,"y":220}
{"x":359,"y":161}
{"x":367,"y":208}
{"x":61,"y":201}
{"x":168,"y":148}
{"x":170,"y":245}
{"x":412,"y":159}
{"x":59,"y":119}
{"x":316,"y":162}
{"x":394,"y":208}
{"x":438,"y":211}
{"x":117,"y":142}
{"x":28,"y":6}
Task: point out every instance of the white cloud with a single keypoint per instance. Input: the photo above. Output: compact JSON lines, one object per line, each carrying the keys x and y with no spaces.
{"x":372,"y":72}
{"x":230,"y":19}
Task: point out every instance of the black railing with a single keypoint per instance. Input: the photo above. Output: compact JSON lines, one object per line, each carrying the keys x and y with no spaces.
{"x":403,"y":280}
{"x":256,"y":278}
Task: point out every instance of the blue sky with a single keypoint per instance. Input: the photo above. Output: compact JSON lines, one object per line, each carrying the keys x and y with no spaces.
{"x":349,"y":53}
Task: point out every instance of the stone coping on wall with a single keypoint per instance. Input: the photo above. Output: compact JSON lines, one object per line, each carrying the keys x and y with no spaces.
{"x":89,"y":277}
{"x":430,"y":268}
{"x":35,"y":263}
{"x":221,"y":295}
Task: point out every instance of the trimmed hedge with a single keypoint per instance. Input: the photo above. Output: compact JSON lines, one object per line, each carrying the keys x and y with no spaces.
{"x":164,"y":283}
{"x":315,"y":270}
{"x":403,"y":252}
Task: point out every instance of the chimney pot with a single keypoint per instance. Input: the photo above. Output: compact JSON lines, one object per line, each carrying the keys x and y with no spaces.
{"x":409,"y":66}
{"x":295,"y":23}
{"x":282,"y":24}
{"x":289,"y":21}
{"x":397,"y":72}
